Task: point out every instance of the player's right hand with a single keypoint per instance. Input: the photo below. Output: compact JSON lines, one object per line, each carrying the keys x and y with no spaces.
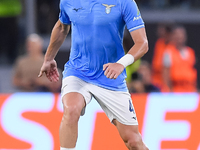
{"x":50,"y":69}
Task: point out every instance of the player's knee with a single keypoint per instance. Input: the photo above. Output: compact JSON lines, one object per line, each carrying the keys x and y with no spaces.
{"x":134,"y":143}
{"x":71,"y":114}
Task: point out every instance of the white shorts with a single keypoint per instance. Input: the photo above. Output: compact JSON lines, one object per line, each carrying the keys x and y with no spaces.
{"x":116,"y":104}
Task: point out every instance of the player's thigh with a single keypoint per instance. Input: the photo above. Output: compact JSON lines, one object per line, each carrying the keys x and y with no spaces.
{"x":75,"y":95}
{"x":116,"y":104}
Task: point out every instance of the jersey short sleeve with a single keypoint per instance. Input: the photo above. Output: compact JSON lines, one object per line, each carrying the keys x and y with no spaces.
{"x":131,"y":15}
{"x":63,"y":17}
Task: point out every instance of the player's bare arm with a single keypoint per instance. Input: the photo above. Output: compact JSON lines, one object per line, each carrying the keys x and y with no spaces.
{"x":141,"y":43}
{"x":113,"y":70}
{"x":58,"y":36}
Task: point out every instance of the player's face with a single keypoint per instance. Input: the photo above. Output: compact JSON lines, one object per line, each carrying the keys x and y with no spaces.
{"x":179,"y":36}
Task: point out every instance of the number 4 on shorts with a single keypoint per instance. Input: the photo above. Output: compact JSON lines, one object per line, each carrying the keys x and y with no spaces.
{"x":131,"y":107}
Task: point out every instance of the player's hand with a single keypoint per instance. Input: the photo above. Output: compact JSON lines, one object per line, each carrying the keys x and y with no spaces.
{"x":112,"y":70}
{"x":50,"y":69}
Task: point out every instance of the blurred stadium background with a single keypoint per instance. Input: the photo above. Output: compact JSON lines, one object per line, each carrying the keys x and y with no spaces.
{"x":25,"y":116}
{"x":40,"y":17}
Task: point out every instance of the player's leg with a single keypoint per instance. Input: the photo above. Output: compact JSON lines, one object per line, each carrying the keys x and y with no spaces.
{"x":130,"y":136}
{"x":75,"y":97}
{"x":120,"y":110}
{"x":73,"y":104}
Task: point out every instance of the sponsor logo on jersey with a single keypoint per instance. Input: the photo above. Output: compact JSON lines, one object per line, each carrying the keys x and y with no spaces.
{"x":77,"y":9}
{"x":137,"y":18}
{"x":108,"y":8}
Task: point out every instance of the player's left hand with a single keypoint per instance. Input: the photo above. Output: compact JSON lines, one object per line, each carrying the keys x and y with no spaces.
{"x":112,"y":70}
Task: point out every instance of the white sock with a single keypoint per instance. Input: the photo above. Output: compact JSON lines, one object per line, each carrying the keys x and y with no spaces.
{"x":62,"y":148}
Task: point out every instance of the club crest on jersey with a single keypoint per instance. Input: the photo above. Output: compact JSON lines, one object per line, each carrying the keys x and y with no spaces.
{"x":108,"y":7}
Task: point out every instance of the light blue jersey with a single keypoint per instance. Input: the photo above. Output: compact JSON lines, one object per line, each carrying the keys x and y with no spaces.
{"x":97,"y":37}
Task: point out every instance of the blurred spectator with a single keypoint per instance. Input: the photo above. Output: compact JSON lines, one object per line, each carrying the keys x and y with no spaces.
{"x":28,"y":66}
{"x":179,"y":60}
{"x":142,"y":81}
{"x":9,"y":13}
{"x":164,"y":31}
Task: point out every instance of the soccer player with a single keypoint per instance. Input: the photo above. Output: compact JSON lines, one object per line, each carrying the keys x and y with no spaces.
{"x":96,"y":67}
